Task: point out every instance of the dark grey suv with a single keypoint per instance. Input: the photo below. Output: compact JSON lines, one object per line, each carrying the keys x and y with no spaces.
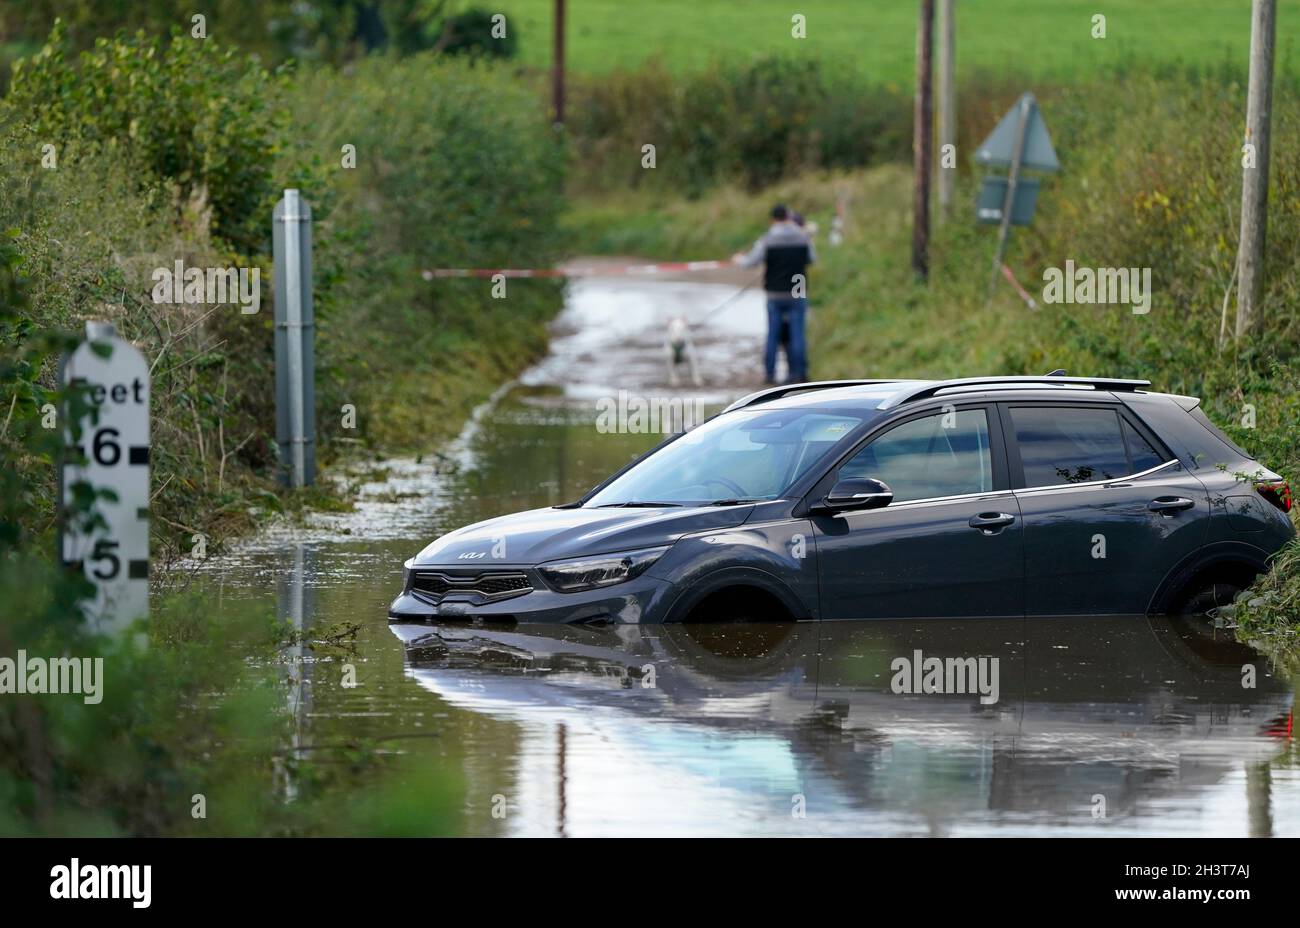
{"x":992,"y":496}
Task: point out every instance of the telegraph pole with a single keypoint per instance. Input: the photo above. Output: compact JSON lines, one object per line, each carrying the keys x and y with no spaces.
{"x":922,"y":144}
{"x":1254,"y":180}
{"x":557,"y":69}
{"x":947,"y":102}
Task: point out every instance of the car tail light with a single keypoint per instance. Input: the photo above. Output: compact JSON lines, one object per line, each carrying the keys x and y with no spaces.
{"x":1277,"y":492}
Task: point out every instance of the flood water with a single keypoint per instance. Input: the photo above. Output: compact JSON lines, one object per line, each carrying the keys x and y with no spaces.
{"x":1099,"y":726}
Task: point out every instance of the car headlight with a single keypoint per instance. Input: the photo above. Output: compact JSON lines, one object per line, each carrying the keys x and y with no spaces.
{"x":590,"y":573}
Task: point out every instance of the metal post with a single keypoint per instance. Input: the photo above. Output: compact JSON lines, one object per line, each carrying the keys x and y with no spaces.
{"x":293,"y":323}
{"x":922,"y":143}
{"x":1027,"y":105}
{"x":1254,"y":181}
{"x":947,"y":102}
{"x":294,"y":340}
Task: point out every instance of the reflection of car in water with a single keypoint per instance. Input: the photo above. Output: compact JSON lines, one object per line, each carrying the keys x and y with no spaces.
{"x":720,"y":728}
{"x":887,"y":499}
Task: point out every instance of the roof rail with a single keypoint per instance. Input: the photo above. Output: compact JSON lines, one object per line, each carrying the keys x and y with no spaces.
{"x":774,"y":393}
{"x":925,"y":391}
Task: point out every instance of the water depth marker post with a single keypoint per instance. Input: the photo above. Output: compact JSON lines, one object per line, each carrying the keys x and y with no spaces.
{"x":108,"y":455}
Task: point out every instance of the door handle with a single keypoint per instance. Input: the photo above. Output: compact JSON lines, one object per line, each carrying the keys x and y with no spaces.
{"x":1170,"y":504}
{"x":990,"y":523}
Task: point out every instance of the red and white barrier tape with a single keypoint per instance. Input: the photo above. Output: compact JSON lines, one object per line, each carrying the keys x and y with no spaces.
{"x":610,"y":270}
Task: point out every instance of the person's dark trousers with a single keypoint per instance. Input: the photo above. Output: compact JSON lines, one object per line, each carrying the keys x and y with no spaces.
{"x":788,"y":313}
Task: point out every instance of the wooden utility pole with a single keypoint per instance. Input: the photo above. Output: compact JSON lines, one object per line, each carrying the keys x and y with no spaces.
{"x":922,"y":144}
{"x":947,"y":103}
{"x":1254,"y":179}
{"x":557,"y":65}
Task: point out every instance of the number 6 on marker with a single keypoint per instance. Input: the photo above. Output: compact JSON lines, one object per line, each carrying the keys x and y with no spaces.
{"x":102,"y":448}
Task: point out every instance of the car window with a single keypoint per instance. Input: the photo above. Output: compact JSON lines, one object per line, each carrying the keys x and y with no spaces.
{"x":1199,"y":415}
{"x":750,"y":454}
{"x":946,"y":454}
{"x":1061,"y":444}
{"x":1140,"y":451}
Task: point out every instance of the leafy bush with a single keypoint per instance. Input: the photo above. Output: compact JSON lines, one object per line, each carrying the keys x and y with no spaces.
{"x":751,"y":122}
{"x":456,"y":166}
{"x":182,"y":112}
{"x":470,"y":32}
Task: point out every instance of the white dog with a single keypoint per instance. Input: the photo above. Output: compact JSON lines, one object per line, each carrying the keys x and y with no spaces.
{"x":679,"y":350}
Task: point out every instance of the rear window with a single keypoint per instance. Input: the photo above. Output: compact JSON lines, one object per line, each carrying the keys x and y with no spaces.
{"x":1199,"y":415}
{"x":1141,"y":451}
{"x":1069,"y":444}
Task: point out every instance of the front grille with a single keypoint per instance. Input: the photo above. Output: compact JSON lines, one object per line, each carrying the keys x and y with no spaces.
{"x":481,"y":586}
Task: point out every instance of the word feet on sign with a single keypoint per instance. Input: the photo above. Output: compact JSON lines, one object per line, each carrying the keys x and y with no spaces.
{"x":107,"y":461}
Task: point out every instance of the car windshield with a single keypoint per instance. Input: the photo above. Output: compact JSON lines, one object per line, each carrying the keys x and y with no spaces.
{"x":747,"y":455}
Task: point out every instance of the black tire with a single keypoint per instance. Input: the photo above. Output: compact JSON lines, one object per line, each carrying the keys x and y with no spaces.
{"x":1204,"y":602}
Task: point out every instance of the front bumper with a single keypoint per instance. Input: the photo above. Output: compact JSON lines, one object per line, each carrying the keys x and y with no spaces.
{"x":642,"y":599}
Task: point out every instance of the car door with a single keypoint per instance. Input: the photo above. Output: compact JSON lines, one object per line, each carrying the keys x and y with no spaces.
{"x":949,"y":544}
{"x":1104,"y":522}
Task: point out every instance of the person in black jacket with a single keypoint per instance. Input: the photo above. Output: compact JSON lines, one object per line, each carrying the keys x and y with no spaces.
{"x":785,"y":250}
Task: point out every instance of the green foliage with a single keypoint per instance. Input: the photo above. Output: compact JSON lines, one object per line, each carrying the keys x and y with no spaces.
{"x":1269,"y":613}
{"x":470,"y":33}
{"x":751,"y":121}
{"x":182,"y":113}
{"x":1158,"y":186}
{"x":455,"y":166}
{"x":129,"y":762}
{"x":333,"y":31}
{"x":25,"y":444}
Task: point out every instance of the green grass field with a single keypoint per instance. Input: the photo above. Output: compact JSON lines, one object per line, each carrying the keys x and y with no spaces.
{"x":1051,"y":38}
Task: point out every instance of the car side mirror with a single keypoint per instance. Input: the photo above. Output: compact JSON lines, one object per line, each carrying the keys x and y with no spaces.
{"x":856,"y":493}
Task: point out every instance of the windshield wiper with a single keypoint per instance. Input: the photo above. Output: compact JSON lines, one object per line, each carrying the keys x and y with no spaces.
{"x":636,"y":504}
{"x":732,"y":502}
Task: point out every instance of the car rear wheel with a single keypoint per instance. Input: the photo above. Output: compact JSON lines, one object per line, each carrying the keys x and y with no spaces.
{"x":1205,"y":600}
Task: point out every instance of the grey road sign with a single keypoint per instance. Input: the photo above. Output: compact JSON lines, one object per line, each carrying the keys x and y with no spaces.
{"x":110,"y":452}
{"x":999,"y":149}
{"x":295,"y":340}
{"x":993,"y":195}
{"x":1019,"y":142}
